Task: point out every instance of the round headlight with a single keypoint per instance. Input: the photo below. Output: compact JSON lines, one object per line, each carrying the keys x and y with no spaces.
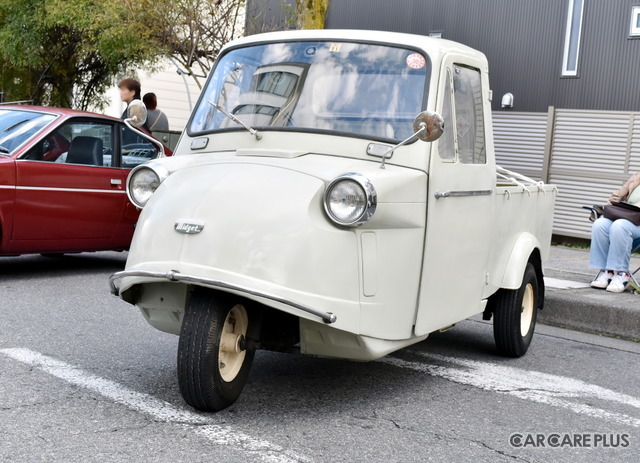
{"x":143,"y":182}
{"x":350,"y":199}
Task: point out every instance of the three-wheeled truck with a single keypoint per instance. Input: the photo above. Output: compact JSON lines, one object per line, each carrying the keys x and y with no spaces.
{"x":335,"y":193}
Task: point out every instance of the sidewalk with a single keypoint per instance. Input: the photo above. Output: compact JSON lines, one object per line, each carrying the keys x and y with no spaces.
{"x":571,"y":303}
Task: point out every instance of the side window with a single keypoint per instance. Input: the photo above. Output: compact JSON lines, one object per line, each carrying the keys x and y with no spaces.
{"x":76,"y":142}
{"x":134,"y":148}
{"x":446,"y":143}
{"x":469,"y":115}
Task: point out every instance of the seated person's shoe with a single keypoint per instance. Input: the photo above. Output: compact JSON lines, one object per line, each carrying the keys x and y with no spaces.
{"x":619,"y":282}
{"x":602,"y":279}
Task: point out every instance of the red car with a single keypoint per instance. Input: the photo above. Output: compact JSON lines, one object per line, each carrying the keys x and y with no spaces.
{"x":63,"y":180}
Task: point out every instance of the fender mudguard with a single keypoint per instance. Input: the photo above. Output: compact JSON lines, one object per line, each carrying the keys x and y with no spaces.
{"x":525,"y":245}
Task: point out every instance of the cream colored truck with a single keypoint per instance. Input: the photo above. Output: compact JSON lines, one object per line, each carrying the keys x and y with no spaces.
{"x":307,"y":208}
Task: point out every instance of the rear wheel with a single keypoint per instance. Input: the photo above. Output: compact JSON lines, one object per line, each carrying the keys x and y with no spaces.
{"x":213,"y":360}
{"x":515,"y":314}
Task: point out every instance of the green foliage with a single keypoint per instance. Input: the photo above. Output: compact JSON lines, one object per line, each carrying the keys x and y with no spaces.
{"x":67,"y":52}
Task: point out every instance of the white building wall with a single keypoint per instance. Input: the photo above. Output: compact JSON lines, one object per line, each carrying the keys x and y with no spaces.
{"x":169,"y":87}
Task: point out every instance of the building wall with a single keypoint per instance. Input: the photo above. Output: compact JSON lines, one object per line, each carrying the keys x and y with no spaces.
{"x":523,"y":40}
{"x":524,"y":43}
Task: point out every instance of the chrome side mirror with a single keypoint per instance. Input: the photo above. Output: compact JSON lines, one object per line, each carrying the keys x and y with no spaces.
{"x":136,"y":113}
{"x":136,"y":117}
{"x":433,"y":125}
{"x":427,"y":126}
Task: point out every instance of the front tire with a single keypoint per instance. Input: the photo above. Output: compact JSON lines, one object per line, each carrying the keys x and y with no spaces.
{"x":213,"y":359}
{"x":515,"y":314}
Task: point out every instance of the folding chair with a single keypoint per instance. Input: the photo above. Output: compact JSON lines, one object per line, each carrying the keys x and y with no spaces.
{"x":595,"y":213}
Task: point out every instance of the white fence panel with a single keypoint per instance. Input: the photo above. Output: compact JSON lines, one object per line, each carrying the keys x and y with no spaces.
{"x":589,"y":160}
{"x":591,"y":154}
{"x":519,"y":140}
{"x":634,"y":159}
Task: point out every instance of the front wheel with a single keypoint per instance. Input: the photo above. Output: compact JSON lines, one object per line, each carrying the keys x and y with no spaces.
{"x":213,"y":359}
{"x":515,"y":313}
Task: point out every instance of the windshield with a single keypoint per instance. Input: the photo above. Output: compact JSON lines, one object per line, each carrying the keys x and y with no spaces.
{"x":372,"y":91}
{"x":16,"y":127}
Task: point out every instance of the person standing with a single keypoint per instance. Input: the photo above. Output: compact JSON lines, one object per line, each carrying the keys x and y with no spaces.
{"x":130,"y":90}
{"x":156,"y":119}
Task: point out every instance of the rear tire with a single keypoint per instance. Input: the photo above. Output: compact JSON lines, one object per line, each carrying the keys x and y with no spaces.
{"x":515,"y":315}
{"x":213,"y":362}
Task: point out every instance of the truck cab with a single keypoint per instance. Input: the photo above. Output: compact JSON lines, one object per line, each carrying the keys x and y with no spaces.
{"x":335,"y":193}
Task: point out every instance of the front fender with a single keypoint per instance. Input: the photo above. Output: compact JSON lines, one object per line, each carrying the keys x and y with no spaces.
{"x":263,"y":230}
{"x":525,"y":245}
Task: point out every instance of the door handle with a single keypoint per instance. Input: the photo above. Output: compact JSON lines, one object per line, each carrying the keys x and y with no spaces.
{"x":116,"y":181}
{"x":457,"y":194}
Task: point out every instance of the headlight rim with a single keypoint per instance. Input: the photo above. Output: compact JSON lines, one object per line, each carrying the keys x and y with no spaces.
{"x":157,"y":168}
{"x":370,"y":194}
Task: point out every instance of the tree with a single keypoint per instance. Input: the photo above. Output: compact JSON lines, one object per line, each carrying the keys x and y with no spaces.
{"x":67,"y":52}
{"x":191,"y":32}
{"x":311,"y":13}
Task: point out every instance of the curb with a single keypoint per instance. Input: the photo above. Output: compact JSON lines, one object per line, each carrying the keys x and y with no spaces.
{"x":593,"y":313}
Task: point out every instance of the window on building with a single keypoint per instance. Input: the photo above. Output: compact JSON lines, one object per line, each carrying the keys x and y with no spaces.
{"x":572,"y":38}
{"x":635,"y":21}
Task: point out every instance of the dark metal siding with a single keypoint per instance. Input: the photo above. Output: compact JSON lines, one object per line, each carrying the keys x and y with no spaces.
{"x":524,"y":42}
{"x":609,"y":70}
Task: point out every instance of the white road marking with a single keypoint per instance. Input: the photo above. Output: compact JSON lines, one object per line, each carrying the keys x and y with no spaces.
{"x":156,"y":408}
{"x":564,"y":284}
{"x":525,"y":384}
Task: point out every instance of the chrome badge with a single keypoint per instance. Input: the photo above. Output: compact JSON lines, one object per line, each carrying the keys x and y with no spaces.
{"x":188,"y":226}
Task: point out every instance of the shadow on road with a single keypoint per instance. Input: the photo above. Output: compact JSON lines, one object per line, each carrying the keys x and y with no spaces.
{"x":30,"y":266}
{"x":296,"y":383}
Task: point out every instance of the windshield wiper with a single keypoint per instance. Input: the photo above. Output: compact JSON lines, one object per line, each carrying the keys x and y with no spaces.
{"x":4,"y":150}
{"x":252,"y":131}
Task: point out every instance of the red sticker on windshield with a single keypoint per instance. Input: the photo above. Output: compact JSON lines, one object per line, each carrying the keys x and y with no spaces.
{"x":416,"y":61}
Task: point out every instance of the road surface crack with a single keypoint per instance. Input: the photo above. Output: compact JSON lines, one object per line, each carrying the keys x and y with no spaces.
{"x":34,"y":404}
{"x":500,"y":452}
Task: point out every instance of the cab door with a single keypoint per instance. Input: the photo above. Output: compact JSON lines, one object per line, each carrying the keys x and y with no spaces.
{"x":460,"y":202}
{"x":70,"y":190}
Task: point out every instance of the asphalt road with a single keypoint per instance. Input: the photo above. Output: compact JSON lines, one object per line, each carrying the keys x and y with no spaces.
{"x":84,"y":378}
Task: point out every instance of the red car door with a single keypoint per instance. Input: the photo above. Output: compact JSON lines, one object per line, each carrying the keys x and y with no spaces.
{"x":70,"y":191}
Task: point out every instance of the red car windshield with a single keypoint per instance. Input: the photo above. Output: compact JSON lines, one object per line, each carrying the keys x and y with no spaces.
{"x":16,"y":127}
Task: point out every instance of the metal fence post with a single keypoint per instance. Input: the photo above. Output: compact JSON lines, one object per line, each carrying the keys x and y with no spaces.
{"x":548,"y":143}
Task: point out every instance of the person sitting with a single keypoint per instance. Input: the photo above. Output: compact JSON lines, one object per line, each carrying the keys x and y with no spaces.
{"x":156,"y":119}
{"x":612,"y":242}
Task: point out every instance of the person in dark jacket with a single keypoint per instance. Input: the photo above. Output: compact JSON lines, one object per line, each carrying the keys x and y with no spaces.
{"x":130,"y":90}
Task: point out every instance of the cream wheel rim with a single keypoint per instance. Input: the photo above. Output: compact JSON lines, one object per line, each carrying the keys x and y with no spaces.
{"x":231,"y":352}
{"x":528,"y":306}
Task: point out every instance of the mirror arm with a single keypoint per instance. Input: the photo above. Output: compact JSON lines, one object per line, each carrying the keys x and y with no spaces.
{"x":127,"y":122}
{"x":423,"y":127}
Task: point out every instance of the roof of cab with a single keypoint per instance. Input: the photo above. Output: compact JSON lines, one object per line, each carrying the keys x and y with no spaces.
{"x":430,"y":44}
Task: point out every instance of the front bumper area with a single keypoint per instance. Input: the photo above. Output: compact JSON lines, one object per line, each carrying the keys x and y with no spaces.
{"x":326,"y":317}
